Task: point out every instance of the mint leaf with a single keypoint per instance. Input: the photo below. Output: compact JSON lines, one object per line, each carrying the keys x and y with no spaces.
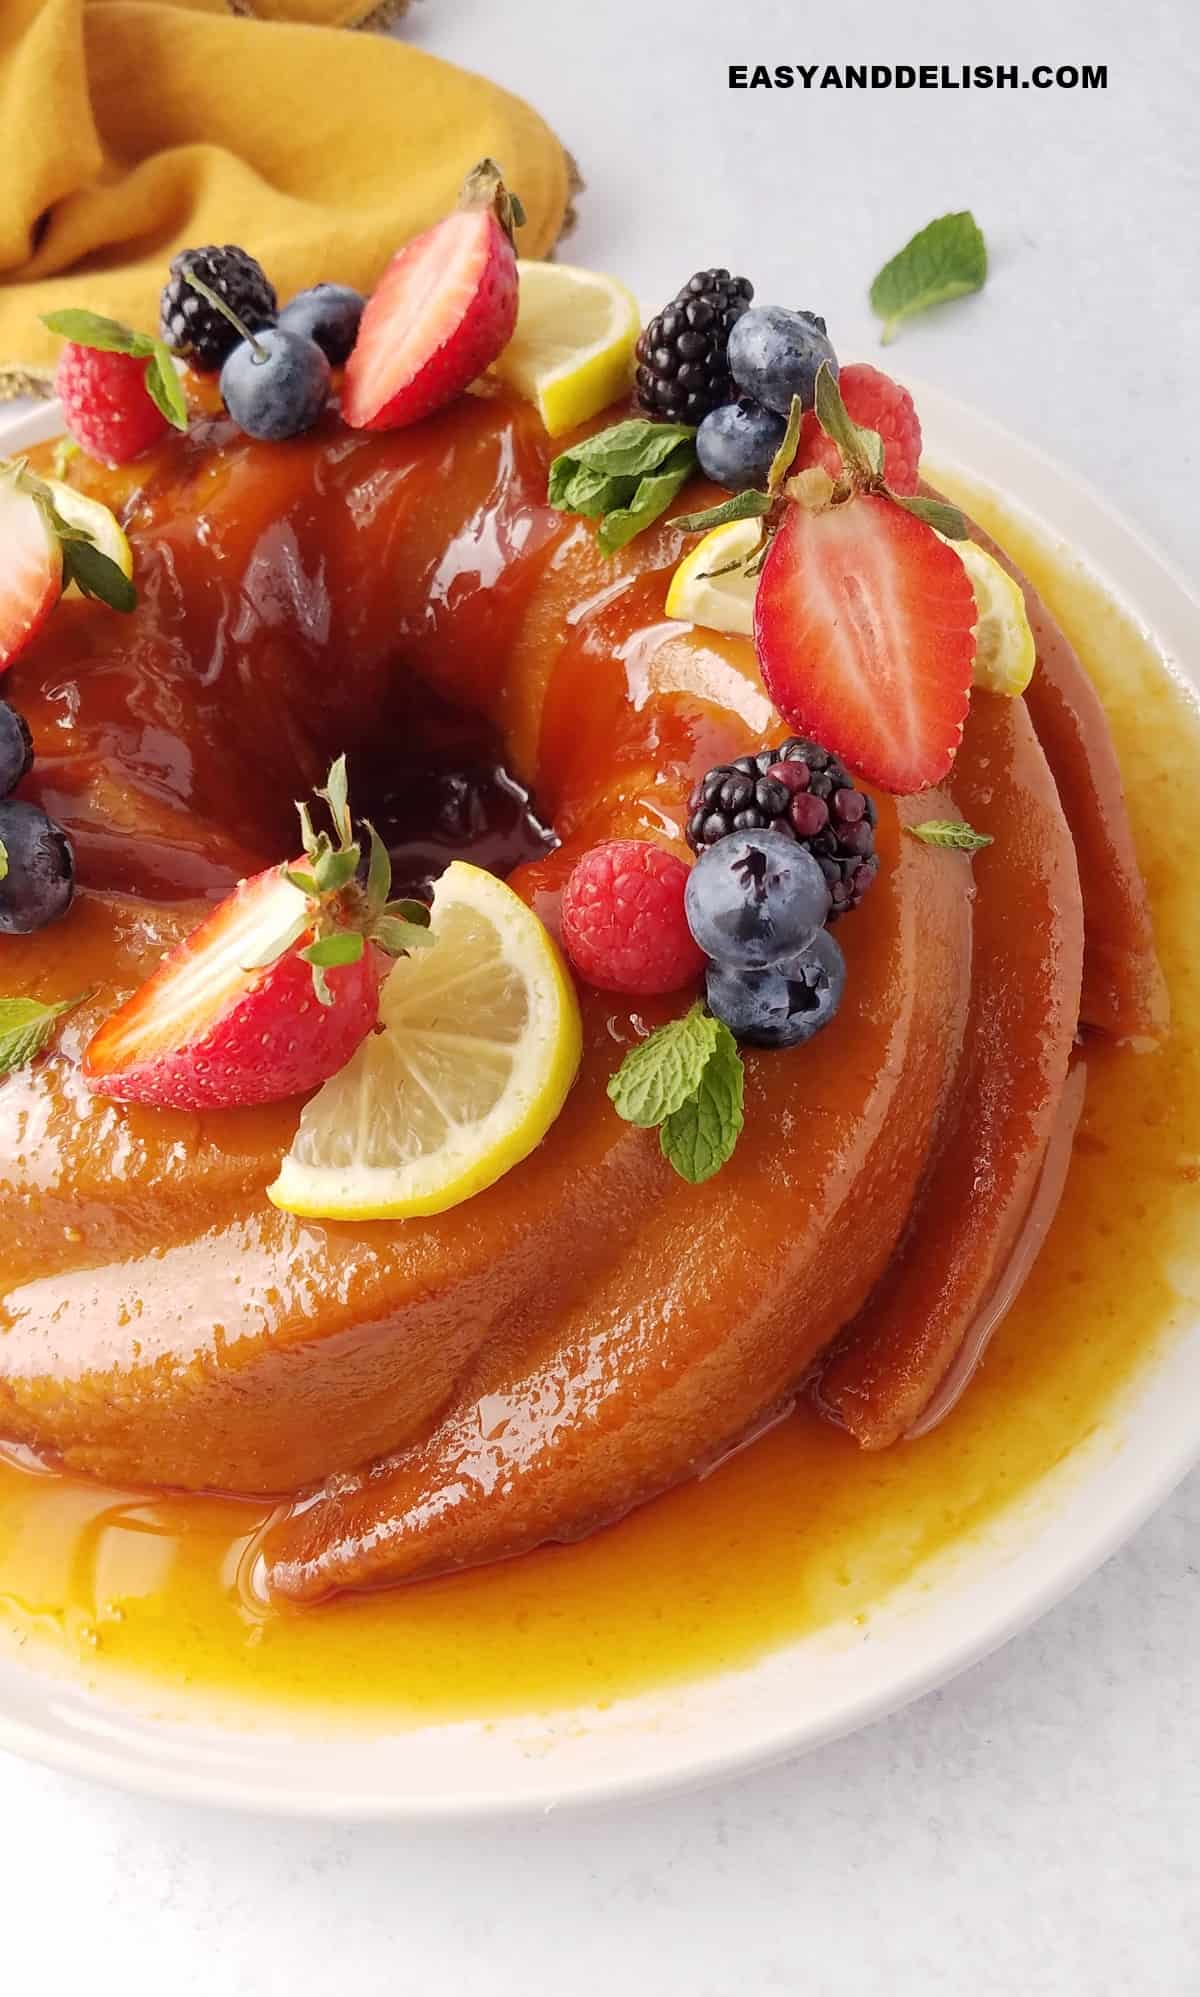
{"x":659,"y":1074}
{"x":91,"y":329}
{"x":936,"y":513}
{"x":700,"y":1135}
{"x":627,"y":450}
{"x":96,"y":574}
{"x":589,"y":492}
{"x":27,"y":1028}
{"x":945,"y":260}
{"x":949,"y":832}
{"x":164,"y":388}
{"x":625,"y":476}
{"x":652,"y":496}
{"x":688,"y":1079}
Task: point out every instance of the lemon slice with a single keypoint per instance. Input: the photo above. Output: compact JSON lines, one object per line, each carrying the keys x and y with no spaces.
{"x":573,"y":350}
{"x":1005,"y":654}
{"x":480,"y":1046}
{"x":705,"y":589}
{"x":94,"y":520}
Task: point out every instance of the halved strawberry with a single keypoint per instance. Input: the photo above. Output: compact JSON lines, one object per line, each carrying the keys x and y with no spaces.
{"x":31,"y":567}
{"x":864,"y":623}
{"x":271,"y":995}
{"x":443,"y":310}
{"x":206,"y":1033}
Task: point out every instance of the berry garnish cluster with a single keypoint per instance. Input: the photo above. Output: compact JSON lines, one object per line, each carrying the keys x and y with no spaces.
{"x":774,"y":355}
{"x":757,"y":903}
{"x":785,"y":846}
{"x":804,"y":791}
{"x":442,"y":312}
{"x":749,"y":918}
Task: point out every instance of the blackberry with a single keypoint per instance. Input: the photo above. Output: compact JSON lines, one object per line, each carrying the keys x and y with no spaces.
{"x":192,"y":328}
{"x":683,"y":369}
{"x":799,"y":788}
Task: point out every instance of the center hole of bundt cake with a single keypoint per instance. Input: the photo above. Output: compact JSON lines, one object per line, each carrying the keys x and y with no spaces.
{"x":436,"y":788}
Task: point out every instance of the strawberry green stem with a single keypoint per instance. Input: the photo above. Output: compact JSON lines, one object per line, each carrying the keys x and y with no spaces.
{"x":214,"y":299}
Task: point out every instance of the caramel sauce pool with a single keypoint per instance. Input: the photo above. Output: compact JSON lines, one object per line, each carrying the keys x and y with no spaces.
{"x":800,"y":1530}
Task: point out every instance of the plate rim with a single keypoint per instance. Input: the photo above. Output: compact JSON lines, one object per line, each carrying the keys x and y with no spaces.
{"x":99,"y":1737}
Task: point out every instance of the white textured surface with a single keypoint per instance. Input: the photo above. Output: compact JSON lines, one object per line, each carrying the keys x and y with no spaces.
{"x":1034,"y":1828}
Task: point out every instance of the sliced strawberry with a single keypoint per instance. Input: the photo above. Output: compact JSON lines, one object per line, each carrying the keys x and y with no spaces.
{"x":204,"y":1032}
{"x":31,"y":568}
{"x":864,"y":624}
{"x":275,"y":990}
{"x":442,"y":312}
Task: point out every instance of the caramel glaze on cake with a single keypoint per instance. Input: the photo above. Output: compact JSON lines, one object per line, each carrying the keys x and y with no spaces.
{"x":431,"y":1394}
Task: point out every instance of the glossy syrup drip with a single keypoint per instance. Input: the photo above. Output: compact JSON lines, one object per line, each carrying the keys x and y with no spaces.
{"x":797,"y":1531}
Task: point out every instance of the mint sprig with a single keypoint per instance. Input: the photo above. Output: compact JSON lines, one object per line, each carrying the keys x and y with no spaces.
{"x":700,"y":1135}
{"x":108,"y":336}
{"x":660,"y":1073}
{"x":625,"y":477}
{"x":950,"y":832}
{"x":27,"y":1027}
{"x":687,"y":1080}
{"x":945,"y":260}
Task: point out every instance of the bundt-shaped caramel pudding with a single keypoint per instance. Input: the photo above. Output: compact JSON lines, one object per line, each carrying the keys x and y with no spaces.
{"x":433,"y":1392}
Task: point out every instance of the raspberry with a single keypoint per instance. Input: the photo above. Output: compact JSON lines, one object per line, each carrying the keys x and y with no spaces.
{"x":105,"y":403}
{"x":623,"y":920}
{"x":875,"y":402}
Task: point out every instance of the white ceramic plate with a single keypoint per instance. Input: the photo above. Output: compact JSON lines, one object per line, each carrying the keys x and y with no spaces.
{"x":808,"y":1692}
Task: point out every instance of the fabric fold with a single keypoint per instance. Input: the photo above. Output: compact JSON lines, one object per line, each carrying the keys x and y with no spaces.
{"x":135,"y":128}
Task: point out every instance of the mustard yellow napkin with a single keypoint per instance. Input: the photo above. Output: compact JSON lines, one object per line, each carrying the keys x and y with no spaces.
{"x":136,"y":128}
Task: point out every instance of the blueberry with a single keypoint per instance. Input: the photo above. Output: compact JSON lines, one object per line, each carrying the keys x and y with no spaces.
{"x":785,"y":1004}
{"x":775,"y":354}
{"x":276,"y":384}
{"x":736,"y":443}
{"x":328,"y":314}
{"x":755,"y":897}
{"x":16,"y":748}
{"x":40,"y":877}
